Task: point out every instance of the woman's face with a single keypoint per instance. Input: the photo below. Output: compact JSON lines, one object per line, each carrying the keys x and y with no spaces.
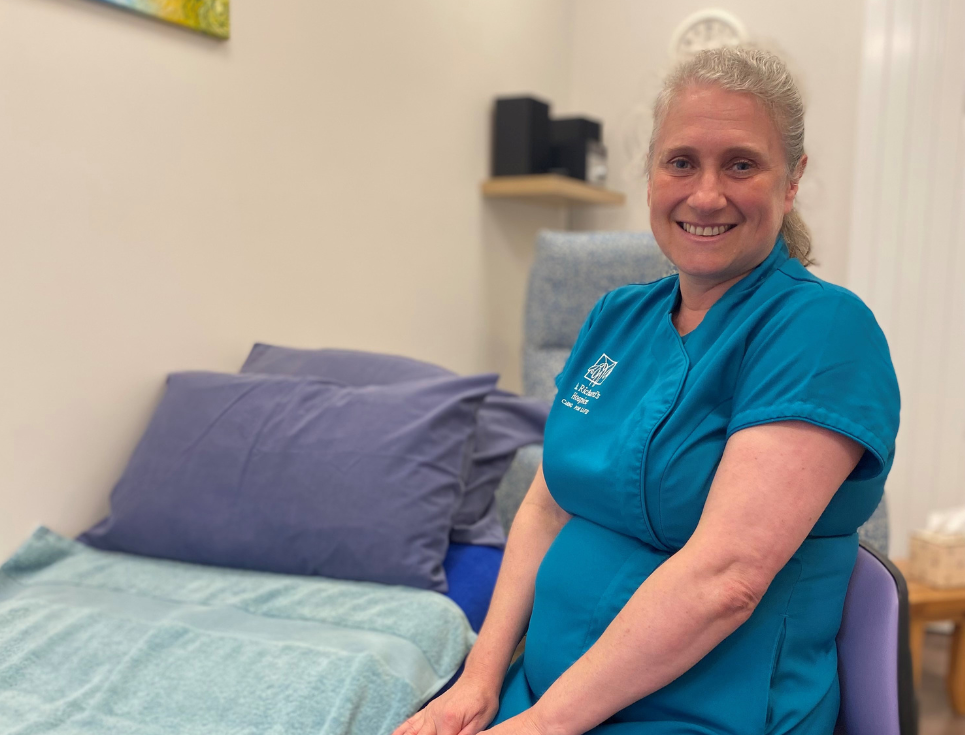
{"x":718,"y":166}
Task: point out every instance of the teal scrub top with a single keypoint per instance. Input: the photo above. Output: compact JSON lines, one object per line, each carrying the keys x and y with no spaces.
{"x":632,"y":443}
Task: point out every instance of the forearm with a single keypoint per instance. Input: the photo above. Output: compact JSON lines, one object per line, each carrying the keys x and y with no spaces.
{"x":677,"y":616}
{"x":534,"y":528}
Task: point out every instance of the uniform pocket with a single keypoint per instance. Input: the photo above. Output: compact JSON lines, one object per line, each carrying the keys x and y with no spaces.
{"x":775,"y":662}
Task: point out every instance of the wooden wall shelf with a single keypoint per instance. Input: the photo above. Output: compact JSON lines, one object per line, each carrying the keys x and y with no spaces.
{"x":549,"y":189}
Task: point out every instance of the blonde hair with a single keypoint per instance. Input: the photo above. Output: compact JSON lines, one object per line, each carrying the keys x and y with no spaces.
{"x":765,"y":76}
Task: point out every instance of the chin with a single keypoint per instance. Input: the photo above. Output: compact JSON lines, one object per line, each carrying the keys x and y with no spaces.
{"x":703,"y":264}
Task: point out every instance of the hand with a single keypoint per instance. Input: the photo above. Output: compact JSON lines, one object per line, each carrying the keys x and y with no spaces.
{"x":465,"y":709}
{"x":525,"y":723}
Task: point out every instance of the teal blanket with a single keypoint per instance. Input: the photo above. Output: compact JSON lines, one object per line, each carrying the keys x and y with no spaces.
{"x":100,"y":642}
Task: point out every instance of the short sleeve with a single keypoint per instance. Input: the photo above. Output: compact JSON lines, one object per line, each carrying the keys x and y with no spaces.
{"x":824,"y":361}
{"x":584,"y":330}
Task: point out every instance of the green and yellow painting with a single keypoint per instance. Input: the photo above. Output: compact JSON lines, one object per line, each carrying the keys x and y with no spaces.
{"x":207,"y":16}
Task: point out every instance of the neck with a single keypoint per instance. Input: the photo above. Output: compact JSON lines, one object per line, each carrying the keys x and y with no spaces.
{"x":698,"y":294}
{"x":696,"y":297}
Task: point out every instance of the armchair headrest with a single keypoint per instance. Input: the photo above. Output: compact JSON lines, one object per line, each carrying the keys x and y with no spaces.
{"x":571,"y":272}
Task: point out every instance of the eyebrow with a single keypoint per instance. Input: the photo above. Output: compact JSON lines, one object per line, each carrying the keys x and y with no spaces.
{"x":735,"y":152}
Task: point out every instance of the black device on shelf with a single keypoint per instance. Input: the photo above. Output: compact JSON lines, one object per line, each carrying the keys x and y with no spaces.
{"x":521,"y":136}
{"x":576,"y":149}
{"x":567,"y":129}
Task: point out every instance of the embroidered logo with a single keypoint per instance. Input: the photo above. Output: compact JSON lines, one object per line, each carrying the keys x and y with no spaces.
{"x":601,"y":370}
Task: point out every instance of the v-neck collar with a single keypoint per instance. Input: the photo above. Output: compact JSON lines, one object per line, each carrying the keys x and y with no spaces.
{"x":778,"y":256}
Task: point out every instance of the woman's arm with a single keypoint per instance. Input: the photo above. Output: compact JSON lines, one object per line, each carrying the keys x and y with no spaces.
{"x":771,"y":486}
{"x":537,"y":522}
{"x":471,"y":703}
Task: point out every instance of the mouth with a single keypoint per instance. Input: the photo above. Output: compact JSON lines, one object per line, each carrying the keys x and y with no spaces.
{"x":705,"y":231}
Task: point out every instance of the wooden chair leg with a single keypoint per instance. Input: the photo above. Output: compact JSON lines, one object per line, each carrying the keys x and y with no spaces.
{"x":956,"y":669}
{"x":916,"y":641}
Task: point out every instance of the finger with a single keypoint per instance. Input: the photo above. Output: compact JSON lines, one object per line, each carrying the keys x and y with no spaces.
{"x":410,"y":726}
{"x":482,"y":724}
{"x":477,"y":724}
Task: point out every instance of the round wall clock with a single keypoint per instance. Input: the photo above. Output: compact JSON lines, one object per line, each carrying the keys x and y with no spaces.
{"x":707,"y":29}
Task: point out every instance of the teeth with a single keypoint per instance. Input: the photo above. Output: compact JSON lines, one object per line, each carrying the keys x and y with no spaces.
{"x":706,"y":231}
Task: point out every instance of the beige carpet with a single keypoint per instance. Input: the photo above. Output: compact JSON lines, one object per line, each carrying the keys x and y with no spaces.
{"x":936,"y":716}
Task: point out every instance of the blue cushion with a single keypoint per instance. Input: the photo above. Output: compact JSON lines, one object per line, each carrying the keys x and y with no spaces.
{"x":299,"y":476}
{"x":505,"y":422}
{"x":471,"y":572}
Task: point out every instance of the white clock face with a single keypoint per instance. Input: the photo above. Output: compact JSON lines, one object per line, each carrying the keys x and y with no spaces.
{"x":707,"y":29}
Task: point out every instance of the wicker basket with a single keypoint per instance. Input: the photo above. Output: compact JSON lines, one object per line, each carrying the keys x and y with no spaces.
{"x":937,"y":559}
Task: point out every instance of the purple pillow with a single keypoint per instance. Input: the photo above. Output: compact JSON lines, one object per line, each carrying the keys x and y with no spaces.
{"x":506,"y":422}
{"x":299,"y":476}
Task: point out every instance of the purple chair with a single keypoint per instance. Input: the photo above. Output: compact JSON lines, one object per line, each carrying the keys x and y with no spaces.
{"x":874,"y":660}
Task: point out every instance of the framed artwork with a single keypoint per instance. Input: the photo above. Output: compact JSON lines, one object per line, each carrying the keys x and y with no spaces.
{"x":207,"y":16}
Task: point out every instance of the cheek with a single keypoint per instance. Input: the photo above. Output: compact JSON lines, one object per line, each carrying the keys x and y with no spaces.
{"x":662,"y":196}
{"x":763,"y":203}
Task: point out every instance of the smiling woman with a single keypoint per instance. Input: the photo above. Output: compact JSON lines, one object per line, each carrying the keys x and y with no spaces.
{"x":717,"y":189}
{"x":680,"y":563}
{"x":725,"y":159}
{"x":773,"y":90}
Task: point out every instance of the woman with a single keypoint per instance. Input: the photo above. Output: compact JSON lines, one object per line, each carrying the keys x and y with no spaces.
{"x":682,"y":566}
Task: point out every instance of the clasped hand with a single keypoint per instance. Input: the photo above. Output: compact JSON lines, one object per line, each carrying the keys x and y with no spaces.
{"x":466,"y":709}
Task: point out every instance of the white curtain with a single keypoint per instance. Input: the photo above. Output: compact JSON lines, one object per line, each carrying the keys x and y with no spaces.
{"x":907,"y":244}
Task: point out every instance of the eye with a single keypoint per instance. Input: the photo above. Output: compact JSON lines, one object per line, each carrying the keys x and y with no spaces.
{"x":742,"y":167}
{"x":680,"y":164}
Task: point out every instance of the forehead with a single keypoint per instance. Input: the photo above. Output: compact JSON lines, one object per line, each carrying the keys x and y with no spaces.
{"x":708,"y":116}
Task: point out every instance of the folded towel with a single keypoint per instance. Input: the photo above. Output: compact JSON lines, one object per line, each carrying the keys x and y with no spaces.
{"x":102,"y":642}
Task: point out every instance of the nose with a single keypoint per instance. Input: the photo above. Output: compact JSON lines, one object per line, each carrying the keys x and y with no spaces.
{"x":707,"y":196}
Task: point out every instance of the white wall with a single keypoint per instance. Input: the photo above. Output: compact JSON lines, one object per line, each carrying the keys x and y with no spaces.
{"x":167,"y":199}
{"x":620,"y":52}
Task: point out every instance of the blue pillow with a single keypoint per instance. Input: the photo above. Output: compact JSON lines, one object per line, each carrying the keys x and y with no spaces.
{"x":506,"y":422}
{"x":472,"y":571}
{"x":299,"y":476}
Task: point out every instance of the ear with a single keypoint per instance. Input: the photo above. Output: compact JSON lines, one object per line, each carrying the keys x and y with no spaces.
{"x":649,"y":184}
{"x":793,"y":184}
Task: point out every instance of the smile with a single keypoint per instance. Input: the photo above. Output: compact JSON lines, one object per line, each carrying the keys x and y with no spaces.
{"x":705,"y":231}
